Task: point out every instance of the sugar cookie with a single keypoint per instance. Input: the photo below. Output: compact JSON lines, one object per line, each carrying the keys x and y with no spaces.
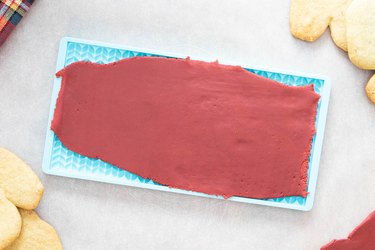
{"x":20,"y":184}
{"x":370,"y":89}
{"x":310,"y":18}
{"x":360,"y":34}
{"x":35,"y":234}
{"x":10,"y":221}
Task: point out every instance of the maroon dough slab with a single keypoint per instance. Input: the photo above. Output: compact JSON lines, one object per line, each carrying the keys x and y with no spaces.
{"x":362,"y":237}
{"x":189,"y":124}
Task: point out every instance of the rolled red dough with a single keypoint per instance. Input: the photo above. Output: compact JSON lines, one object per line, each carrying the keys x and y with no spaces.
{"x":189,"y":124}
{"x":362,"y":237}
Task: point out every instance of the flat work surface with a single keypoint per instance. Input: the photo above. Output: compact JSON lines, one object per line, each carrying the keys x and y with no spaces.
{"x":91,"y":215}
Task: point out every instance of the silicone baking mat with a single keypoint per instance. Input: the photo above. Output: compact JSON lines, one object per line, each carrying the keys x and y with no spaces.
{"x":58,"y":160}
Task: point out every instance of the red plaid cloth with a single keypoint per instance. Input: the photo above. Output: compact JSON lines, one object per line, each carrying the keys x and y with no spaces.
{"x":11,"y":13}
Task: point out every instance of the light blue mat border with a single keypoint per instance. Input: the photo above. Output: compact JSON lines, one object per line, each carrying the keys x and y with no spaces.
{"x":58,"y":160}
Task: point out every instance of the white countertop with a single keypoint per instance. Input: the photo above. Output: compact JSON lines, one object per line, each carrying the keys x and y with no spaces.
{"x":91,"y":215}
